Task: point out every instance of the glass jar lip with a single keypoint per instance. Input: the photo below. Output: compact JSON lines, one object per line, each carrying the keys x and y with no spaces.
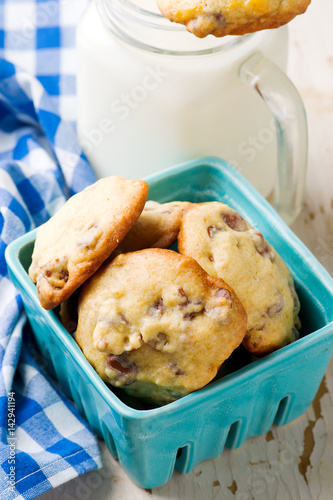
{"x":138,"y":9}
{"x":109,"y":11}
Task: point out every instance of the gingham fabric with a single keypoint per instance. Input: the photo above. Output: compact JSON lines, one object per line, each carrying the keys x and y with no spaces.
{"x":39,"y":36}
{"x":43,"y":440}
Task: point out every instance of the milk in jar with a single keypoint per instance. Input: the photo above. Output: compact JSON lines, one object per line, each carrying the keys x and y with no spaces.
{"x":152,"y":95}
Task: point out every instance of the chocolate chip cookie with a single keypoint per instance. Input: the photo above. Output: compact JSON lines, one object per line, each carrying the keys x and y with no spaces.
{"x":231,"y":17}
{"x":228,"y":247}
{"x":72,"y":245}
{"x":156,"y":324}
{"x":157,"y":227}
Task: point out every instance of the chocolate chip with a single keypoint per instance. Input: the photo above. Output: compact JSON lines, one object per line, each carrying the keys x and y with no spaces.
{"x":183,"y":294}
{"x":220,"y":19}
{"x":121,"y":363}
{"x":234,"y":221}
{"x":189,"y":316}
{"x":208,"y":23}
{"x":158,"y":306}
{"x":126,"y":369}
{"x":212,"y":230}
{"x":191,"y":304}
{"x":64,"y":275}
{"x":261,"y":245}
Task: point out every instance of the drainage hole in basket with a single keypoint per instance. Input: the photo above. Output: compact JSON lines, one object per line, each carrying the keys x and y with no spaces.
{"x":282,"y":410}
{"x":233,"y":435}
{"x":182,"y":452}
{"x":183,"y":456}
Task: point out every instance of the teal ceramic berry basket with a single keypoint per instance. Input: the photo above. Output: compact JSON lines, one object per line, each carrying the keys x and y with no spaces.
{"x":245,"y":400}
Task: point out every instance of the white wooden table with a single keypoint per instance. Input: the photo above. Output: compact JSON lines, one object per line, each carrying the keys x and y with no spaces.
{"x":296,"y":461}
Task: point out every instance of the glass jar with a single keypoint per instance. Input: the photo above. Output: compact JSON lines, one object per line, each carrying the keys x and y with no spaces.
{"x":151,"y":95}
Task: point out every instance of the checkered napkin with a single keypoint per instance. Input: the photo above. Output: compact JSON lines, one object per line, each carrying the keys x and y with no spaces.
{"x":43,"y":440}
{"x":39,"y":36}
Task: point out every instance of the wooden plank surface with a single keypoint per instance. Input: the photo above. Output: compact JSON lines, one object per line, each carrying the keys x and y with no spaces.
{"x":296,"y":461}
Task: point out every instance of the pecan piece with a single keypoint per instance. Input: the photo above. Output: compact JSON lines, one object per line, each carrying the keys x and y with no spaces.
{"x":276,"y":308}
{"x":223,"y":292}
{"x":56,"y":272}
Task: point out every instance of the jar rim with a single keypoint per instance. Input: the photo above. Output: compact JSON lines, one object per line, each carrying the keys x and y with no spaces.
{"x":112,"y":11}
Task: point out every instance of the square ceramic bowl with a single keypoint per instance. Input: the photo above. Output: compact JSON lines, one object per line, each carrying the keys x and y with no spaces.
{"x":150,"y":443}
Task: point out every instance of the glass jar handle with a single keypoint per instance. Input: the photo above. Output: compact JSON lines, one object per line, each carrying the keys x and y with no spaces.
{"x":286,"y":106}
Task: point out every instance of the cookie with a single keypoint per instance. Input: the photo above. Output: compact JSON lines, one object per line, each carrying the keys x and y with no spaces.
{"x":72,"y":245}
{"x":231,"y":17}
{"x":157,"y":227}
{"x":156,"y":324}
{"x":228,"y":247}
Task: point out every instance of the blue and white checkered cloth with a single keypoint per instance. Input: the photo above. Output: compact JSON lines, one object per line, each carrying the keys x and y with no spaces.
{"x":43,"y":440}
{"x":39,"y":36}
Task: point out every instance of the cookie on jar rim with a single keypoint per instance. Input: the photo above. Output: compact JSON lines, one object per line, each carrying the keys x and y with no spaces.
{"x":73,"y":243}
{"x":231,"y":17}
{"x":154,"y":323}
{"x":228,"y":247}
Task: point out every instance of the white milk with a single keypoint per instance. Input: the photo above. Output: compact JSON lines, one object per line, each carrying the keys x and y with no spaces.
{"x":141,"y":110}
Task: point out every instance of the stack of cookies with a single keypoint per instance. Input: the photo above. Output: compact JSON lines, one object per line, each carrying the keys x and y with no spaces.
{"x":156,"y":322}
